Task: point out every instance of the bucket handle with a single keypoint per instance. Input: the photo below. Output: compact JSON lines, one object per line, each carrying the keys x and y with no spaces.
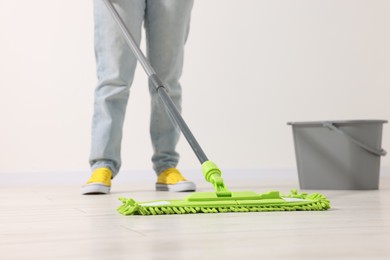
{"x":331,"y":126}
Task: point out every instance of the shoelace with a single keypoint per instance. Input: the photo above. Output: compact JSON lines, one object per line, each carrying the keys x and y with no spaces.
{"x":101,"y":175}
{"x":172,"y":177}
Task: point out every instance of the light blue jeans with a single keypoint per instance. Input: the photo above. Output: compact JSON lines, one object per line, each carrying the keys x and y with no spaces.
{"x":166,"y":24}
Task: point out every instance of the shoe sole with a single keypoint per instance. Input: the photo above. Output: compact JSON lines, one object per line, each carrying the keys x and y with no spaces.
{"x":95,"y":189}
{"x":180,"y":186}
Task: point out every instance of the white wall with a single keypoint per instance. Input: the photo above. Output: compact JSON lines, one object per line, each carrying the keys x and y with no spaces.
{"x":251,"y":66}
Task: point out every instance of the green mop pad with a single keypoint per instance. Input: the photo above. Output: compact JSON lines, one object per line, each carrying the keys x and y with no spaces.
{"x":208,"y":202}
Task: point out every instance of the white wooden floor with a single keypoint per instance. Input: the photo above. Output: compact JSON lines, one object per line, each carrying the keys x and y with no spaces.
{"x":43,"y":216}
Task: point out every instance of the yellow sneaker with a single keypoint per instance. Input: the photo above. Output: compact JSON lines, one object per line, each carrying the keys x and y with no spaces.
{"x":172,"y":180}
{"x":99,"y":182}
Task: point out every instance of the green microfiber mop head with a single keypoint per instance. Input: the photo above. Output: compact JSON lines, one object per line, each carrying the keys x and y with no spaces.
{"x":222,"y":200}
{"x":208,"y":202}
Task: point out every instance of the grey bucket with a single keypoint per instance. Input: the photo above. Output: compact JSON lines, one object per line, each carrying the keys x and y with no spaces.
{"x":338,"y":155}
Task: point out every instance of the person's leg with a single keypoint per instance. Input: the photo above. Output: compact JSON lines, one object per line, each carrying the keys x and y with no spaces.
{"x":115,"y":70}
{"x":167,"y":25}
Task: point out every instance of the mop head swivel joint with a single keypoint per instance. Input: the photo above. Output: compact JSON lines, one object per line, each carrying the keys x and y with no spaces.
{"x":212,"y":174}
{"x":222,"y":200}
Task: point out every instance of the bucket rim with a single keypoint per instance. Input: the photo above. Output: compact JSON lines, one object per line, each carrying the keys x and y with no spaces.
{"x":338,"y":122}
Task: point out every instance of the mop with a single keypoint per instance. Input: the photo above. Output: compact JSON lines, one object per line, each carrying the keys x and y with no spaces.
{"x":221,"y":200}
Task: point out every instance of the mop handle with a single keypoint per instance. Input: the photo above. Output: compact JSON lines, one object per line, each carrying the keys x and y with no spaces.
{"x":155,"y":80}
